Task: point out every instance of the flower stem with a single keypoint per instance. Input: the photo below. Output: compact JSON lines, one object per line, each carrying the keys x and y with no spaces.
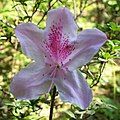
{"x":52,"y":102}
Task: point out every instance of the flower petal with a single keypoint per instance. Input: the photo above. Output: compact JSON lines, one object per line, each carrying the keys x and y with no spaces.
{"x":62,"y":18}
{"x":73,"y":88}
{"x":30,"y":38}
{"x":87,"y":45}
{"x":31,"y":82}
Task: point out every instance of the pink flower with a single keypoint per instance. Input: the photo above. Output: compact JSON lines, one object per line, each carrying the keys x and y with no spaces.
{"x":57,"y":52}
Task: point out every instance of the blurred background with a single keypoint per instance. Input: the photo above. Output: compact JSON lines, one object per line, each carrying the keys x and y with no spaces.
{"x":102,"y":73}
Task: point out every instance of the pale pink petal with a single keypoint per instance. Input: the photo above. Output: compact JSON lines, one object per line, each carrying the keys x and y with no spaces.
{"x":61,"y":19}
{"x":87,"y":45}
{"x":30,"y":38}
{"x":31,"y":82}
{"x":61,"y":30}
{"x":73,"y":88}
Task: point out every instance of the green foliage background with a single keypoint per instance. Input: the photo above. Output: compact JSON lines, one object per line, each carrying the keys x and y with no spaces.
{"x":102,"y":73}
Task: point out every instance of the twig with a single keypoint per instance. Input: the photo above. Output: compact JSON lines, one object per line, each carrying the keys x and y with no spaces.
{"x":15,"y":7}
{"x":102,"y":67}
{"x":35,"y":8}
{"x":25,"y":10}
{"x":45,"y":13}
{"x":82,"y":9}
{"x":6,"y":23}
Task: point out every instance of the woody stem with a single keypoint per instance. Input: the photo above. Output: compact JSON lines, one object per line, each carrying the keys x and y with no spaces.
{"x":52,"y":103}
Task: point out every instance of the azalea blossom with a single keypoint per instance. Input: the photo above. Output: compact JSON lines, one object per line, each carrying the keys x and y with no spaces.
{"x":57,"y":52}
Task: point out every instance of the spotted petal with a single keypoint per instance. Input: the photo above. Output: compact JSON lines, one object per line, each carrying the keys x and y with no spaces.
{"x":87,"y":45}
{"x":30,"y":37}
{"x":31,"y":82}
{"x":73,"y":88}
{"x":62,"y":20}
{"x":61,"y":30}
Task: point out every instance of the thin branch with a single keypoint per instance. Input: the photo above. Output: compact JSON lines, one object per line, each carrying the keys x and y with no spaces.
{"x":82,"y":8}
{"x":102,"y":67}
{"x":35,"y":8}
{"x":15,"y":7}
{"x":6,"y":23}
{"x":25,"y":10}
{"x":45,"y":13}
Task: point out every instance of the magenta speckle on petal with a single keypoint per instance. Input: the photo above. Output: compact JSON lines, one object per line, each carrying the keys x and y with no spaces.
{"x":58,"y":44}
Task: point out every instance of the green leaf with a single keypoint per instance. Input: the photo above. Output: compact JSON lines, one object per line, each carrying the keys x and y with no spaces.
{"x":71,"y":114}
{"x":114,"y":26}
{"x":116,"y":48}
{"x":106,"y":55}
